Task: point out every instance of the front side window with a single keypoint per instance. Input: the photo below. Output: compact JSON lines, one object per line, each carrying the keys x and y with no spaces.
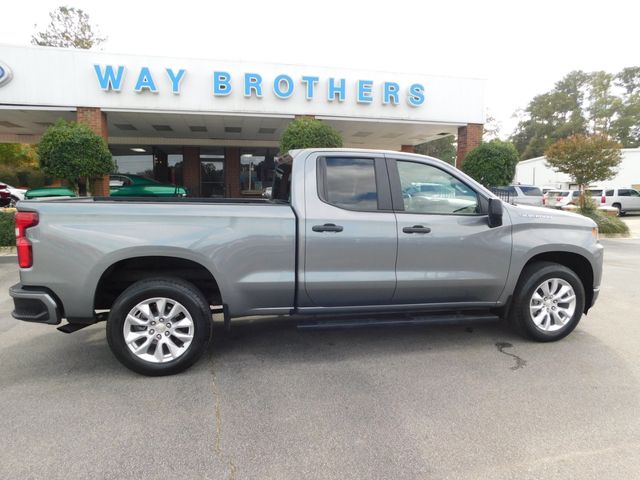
{"x":427,"y":189}
{"x":531,"y":191}
{"x":634,"y":193}
{"x":350,"y":183}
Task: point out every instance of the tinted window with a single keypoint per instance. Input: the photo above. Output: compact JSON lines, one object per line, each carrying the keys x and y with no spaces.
{"x":575,"y":194}
{"x":594,"y":193}
{"x":351,"y":183}
{"x":427,"y":189}
{"x":634,"y":193}
{"x":531,"y":191}
{"x":623,"y":192}
{"x":609,"y":193}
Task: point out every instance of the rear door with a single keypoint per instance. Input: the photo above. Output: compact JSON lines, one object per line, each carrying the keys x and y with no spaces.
{"x":629,"y":198}
{"x":446,"y":251}
{"x":350,"y":231}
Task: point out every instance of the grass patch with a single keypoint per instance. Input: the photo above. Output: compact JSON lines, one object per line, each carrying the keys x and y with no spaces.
{"x":607,"y":225}
{"x":7,"y":229}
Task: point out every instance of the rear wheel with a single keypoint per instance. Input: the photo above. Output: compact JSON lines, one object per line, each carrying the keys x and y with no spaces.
{"x":159,"y":326}
{"x":618,"y":207}
{"x":548,"y":303}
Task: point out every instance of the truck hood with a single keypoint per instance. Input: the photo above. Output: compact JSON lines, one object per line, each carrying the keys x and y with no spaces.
{"x":541,"y":215}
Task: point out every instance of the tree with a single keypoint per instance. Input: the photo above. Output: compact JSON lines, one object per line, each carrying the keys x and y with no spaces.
{"x":16,"y":155}
{"x":74,"y":152}
{"x":492,"y":164}
{"x":69,"y":28}
{"x":441,"y":148}
{"x":309,"y":133}
{"x":585,"y":158}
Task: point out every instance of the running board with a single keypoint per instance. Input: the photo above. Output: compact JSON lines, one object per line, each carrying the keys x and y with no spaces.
{"x":73,"y":327}
{"x":396,"y":321}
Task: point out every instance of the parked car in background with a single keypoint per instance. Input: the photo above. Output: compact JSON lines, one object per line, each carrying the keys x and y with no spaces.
{"x":520,"y":194}
{"x":129,"y":185}
{"x":5,"y":196}
{"x":562,"y":198}
{"x":16,"y":194}
{"x":49,"y":192}
{"x":623,"y":199}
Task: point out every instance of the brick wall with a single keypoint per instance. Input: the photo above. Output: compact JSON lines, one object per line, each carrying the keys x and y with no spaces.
{"x":97,"y":121}
{"x":469,"y":137}
{"x":408,"y":148}
{"x":232,"y":171}
{"x":191,"y":170}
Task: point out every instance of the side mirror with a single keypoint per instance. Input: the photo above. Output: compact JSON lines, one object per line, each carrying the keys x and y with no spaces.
{"x":495,"y":212}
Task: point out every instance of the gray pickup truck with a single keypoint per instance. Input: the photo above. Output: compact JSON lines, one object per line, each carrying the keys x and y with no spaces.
{"x":357,"y":235}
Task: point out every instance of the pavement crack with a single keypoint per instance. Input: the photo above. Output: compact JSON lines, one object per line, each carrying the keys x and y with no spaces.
{"x":519,"y":361}
{"x":217,"y":445}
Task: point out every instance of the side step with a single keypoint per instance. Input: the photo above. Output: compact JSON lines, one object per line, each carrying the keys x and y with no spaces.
{"x":396,"y":320}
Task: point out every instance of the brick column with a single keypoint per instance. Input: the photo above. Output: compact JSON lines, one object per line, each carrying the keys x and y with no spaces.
{"x":191,"y":170}
{"x":96,"y":119}
{"x":469,"y":137}
{"x":408,"y":148}
{"x":232,"y":172}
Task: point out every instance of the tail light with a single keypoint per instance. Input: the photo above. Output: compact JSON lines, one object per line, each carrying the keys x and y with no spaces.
{"x":603,"y":199}
{"x":24,"y":220}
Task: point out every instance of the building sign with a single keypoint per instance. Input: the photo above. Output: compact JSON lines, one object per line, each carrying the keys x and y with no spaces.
{"x":251,"y":84}
{"x":5,"y":74}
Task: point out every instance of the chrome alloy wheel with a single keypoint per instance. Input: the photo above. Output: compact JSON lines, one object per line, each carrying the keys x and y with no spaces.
{"x":552,"y":304}
{"x":158,"y":330}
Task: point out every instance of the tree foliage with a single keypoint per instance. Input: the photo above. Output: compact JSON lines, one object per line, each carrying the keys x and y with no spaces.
{"x":492,"y":164}
{"x":309,"y":133}
{"x":17,"y":155}
{"x":586,"y":159}
{"x":69,"y":28}
{"x":74,"y":152}
{"x":596,"y":103}
{"x":442,"y":148}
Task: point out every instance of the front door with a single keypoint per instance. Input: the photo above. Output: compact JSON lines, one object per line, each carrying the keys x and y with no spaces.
{"x":446,"y":251}
{"x":349,"y":231}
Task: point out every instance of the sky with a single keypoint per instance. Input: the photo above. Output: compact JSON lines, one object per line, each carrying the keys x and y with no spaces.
{"x":521,"y":47}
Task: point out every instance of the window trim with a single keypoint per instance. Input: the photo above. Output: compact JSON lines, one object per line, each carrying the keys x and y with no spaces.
{"x":383,"y":191}
{"x":396,"y":190}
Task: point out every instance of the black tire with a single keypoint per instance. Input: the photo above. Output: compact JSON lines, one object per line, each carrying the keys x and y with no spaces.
{"x":172,"y":288}
{"x":532,"y":276}
{"x":13,"y":202}
{"x":619,"y":207}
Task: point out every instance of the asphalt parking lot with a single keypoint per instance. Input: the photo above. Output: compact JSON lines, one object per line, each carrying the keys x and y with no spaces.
{"x":270,"y":401}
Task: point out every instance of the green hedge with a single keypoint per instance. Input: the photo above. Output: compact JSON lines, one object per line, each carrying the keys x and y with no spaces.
{"x":7,"y":230}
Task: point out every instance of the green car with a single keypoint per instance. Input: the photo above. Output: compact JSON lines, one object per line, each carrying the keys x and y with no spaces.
{"x":49,"y":192}
{"x":128,"y":185}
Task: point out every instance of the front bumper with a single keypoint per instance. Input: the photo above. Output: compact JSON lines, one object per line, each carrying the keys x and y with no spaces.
{"x":34,"y":305}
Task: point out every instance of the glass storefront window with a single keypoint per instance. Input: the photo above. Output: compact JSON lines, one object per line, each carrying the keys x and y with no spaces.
{"x":137,"y":163}
{"x":212,"y":172}
{"x":256,"y":169}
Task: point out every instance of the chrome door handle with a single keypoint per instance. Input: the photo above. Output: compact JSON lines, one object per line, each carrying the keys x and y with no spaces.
{"x":327,"y":227}
{"x":416,"y":229}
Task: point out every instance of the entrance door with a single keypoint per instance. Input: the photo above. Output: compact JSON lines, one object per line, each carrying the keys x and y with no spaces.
{"x":446,"y":251}
{"x":350,"y":231}
{"x":212,"y":182}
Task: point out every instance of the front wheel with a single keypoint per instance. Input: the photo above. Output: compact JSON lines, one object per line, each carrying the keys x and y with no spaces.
{"x":159,"y":326}
{"x":549,"y":302}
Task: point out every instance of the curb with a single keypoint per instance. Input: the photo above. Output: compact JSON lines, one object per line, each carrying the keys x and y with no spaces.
{"x":9,"y":259}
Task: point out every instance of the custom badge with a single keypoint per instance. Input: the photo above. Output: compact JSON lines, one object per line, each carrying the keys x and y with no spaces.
{"x":5,"y":74}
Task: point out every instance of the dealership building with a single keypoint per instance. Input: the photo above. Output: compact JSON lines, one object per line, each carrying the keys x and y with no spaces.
{"x":214,"y":126}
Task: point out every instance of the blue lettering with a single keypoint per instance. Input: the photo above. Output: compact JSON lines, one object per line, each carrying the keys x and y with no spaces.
{"x":364,"y":91}
{"x":145,"y":80}
{"x":109,"y":79}
{"x":309,"y":82}
{"x":221,"y":83}
{"x":252,"y":81}
{"x":333,"y":89}
{"x":277,"y":83}
{"x":175,"y":79}
{"x":390,"y":93}
{"x":416,"y":95}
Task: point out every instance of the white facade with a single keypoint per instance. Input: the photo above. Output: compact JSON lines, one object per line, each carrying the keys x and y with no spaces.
{"x":535,"y":171}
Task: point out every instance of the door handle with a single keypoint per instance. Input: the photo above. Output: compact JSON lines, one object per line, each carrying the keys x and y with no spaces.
{"x":327,"y":227}
{"x":416,"y":229}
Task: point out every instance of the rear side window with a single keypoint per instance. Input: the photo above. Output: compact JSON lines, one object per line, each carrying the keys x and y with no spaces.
{"x":531,"y":191}
{"x":349,"y":183}
{"x":623,"y":192}
{"x":595,"y":193}
{"x":608,"y":193}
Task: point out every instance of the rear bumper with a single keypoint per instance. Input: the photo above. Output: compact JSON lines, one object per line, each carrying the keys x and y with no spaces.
{"x":34,"y":305}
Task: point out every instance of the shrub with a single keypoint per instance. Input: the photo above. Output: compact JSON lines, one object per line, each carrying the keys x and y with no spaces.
{"x":492,"y":164}
{"x":7,"y":229}
{"x":309,"y":133}
{"x":606,"y":224}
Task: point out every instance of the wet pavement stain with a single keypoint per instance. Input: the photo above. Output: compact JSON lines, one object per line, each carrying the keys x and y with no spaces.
{"x":519,"y":361}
